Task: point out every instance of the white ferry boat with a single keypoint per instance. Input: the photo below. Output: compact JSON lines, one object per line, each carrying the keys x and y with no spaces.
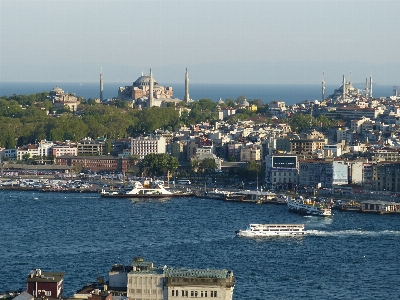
{"x":260,"y":230}
{"x":309,"y":207}
{"x":139,"y":191}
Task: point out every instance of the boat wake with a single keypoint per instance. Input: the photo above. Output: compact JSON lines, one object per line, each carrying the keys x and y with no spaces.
{"x":358,"y":232}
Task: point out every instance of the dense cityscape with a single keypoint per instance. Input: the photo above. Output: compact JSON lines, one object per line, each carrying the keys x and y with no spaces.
{"x":342,"y":146}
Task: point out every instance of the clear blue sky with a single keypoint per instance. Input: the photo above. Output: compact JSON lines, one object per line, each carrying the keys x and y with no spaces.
{"x":269,"y":42}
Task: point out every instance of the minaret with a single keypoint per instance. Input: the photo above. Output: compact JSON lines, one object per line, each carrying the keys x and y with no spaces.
{"x":101,"y":84}
{"x":186,"y":98}
{"x":151,"y":90}
{"x":370,"y":86}
{"x":344,"y":88}
{"x":323,"y":87}
{"x":366,"y":88}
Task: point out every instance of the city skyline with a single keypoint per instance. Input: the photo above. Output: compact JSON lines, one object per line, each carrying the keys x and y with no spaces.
{"x":259,"y":42}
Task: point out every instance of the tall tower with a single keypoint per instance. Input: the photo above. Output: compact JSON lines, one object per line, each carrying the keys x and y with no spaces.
{"x":151,"y":90}
{"x":323,"y":87}
{"x":344,"y":88}
{"x":370,"y":86}
{"x":366,"y":88}
{"x":395,"y":90}
{"x":101,"y":84}
{"x":186,"y":98}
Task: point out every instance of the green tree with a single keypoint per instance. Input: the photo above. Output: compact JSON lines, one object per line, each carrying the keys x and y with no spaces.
{"x":208,"y":165}
{"x":158,"y":164}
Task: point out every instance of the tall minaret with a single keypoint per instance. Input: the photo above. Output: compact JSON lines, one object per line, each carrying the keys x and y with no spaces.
{"x":366,"y":88}
{"x":151,"y":90}
{"x":101,"y":84}
{"x":344,"y":88}
{"x":186,"y":98}
{"x":370,"y":86}
{"x":323,"y":87}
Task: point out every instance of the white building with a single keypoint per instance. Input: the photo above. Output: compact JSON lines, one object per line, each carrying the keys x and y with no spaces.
{"x":145,"y":281}
{"x":146,"y":145}
{"x":187,"y":283}
{"x":42,"y":149}
{"x":281,"y":171}
{"x":64,"y":150}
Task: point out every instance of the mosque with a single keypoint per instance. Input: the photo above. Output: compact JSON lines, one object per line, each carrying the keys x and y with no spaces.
{"x":146,"y":92}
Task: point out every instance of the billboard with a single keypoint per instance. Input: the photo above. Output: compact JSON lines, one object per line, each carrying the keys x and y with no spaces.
{"x":284,"y":162}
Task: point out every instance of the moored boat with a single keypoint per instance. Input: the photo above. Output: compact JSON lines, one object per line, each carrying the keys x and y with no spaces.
{"x":214,"y":194}
{"x":267,"y":230}
{"x":309,"y":207}
{"x":139,"y":191}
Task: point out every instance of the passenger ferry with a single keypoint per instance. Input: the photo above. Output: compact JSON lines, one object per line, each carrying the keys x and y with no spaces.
{"x":140,"y":191}
{"x":309,"y":207}
{"x":259,"y":230}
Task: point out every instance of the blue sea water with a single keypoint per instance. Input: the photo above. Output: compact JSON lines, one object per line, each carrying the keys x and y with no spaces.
{"x":289,"y":93}
{"x":348,"y":256}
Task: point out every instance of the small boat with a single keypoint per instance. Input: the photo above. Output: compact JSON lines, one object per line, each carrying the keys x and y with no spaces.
{"x":214,"y":194}
{"x":139,"y":191}
{"x":309,"y":207}
{"x":267,"y":230}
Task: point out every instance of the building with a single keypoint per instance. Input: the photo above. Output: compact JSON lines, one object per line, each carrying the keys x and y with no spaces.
{"x":306,"y":146}
{"x":45,"y":284}
{"x":40,"y":150}
{"x":60,"y":99}
{"x":146,"y":92}
{"x":61,"y":150}
{"x":95,"y":163}
{"x":325,"y":174}
{"x":143,"y":146}
{"x":146,"y":282}
{"x":386,"y":177}
{"x":118,"y":277}
{"x":250,"y":153}
{"x":161,"y":283}
{"x":194,"y":283}
{"x":91,"y":147}
{"x":281,"y":171}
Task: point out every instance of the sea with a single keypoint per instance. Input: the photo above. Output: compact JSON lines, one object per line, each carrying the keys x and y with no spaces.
{"x":346,"y":256}
{"x":290,"y":93}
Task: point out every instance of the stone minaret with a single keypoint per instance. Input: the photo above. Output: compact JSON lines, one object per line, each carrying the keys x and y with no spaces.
{"x":370,"y":86}
{"x":344,"y":87}
{"x":101,"y":84}
{"x":323,"y":87}
{"x":366,"y":88}
{"x":186,"y":98}
{"x":151,"y":100}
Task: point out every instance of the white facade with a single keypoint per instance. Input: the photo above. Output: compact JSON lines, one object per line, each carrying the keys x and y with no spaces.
{"x":332,"y":150}
{"x":144,"y":146}
{"x":205,"y":284}
{"x":64,"y":150}
{"x":147,"y":285}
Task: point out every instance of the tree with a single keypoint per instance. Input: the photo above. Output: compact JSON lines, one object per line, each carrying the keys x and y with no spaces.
{"x":158,"y":164}
{"x":208,"y":165}
{"x":26,"y":157}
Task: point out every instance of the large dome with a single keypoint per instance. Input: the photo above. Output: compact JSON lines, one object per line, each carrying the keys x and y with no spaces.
{"x":143,"y":80}
{"x":57,"y":90}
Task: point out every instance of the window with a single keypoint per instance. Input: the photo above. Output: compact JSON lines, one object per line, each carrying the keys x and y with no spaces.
{"x":173,"y":293}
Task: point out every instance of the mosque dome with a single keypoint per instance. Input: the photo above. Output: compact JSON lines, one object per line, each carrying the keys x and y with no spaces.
{"x":245,"y":103}
{"x":220,"y":101}
{"x":143,"y":80}
{"x":57,"y":90}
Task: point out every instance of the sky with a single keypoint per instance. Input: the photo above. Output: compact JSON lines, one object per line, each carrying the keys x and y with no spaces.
{"x":230,"y":42}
